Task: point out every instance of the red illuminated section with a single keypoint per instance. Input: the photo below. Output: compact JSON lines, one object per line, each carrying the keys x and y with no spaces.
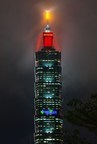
{"x":47,"y":39}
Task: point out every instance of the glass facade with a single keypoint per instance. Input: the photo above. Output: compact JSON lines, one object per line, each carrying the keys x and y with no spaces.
{"x":48,"y":100}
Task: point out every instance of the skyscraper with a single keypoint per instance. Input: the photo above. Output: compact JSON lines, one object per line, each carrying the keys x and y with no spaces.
{"x":48,"y":89}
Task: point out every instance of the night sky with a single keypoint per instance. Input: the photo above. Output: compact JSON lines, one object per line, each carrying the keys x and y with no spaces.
{"x":21,"y":22}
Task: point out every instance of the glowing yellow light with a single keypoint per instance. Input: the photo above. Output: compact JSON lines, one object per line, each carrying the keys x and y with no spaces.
{"x":47,"y":15}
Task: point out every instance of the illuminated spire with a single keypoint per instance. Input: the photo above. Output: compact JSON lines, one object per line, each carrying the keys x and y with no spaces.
{"x":48,"y":18}
{"x":47,"y":28}
{"x":47,"y":15}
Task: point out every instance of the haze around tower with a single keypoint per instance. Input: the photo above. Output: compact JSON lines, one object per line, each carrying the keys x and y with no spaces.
{"x":21,"y":21}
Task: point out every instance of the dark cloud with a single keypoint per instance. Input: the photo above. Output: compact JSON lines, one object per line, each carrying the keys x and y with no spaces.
{"x":75,"y":24}
{"x":80,"y":47}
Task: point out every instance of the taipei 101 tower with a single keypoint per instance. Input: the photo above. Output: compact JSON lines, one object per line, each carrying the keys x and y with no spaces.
{"x":48,"y":91}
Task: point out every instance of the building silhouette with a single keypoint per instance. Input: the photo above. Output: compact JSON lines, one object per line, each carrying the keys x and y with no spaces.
{"x":48,"y":89}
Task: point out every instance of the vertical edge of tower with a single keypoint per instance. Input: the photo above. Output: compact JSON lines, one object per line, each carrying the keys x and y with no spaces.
{"x":48,"y":93}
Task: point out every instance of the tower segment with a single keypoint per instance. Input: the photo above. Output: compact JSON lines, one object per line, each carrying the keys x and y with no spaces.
{"x":48,"y":92}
